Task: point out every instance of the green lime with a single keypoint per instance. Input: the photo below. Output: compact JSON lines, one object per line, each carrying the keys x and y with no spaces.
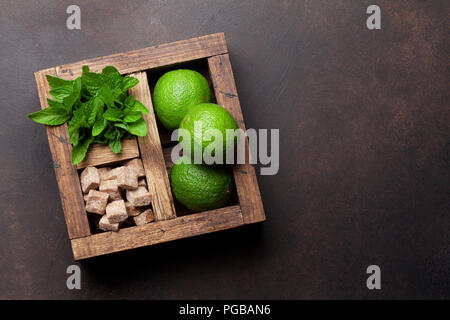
{"x":175,"y":92}
{"x":200,"y":187}
{"x":207,"y":124}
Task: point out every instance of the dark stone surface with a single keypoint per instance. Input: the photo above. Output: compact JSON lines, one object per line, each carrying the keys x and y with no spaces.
{"x":364,"y":150}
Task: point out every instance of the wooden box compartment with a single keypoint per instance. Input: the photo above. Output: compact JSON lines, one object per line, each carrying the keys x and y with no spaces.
{"x":209,"y":56}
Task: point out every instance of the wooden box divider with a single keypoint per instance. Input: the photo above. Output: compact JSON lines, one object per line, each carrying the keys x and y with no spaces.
{"x":101,"y":154}
{"x":152,"y":155}
{"x":156,"y":160}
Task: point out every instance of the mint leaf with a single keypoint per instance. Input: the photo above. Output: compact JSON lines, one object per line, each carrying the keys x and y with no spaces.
{"x":129,"y":82}
{"x":75,"y":125}
{"x":99,"y":126}
{"x":55,"y":104}
{"x":106,"y":95}
{"x":74,"y":133}
{"x":51,"y":116}
{"x":138,"y":128}
{"x":79,"y":151}
{"x":121,"y":125}
{"x":111,"y":72}
{"x":132,"y":116}
{"x":112,"y":78}
{"x":80,"y":116}
{"x":139,"y":107}
{"x":96,"y":110}
{"x":60,"y":93}
{"x":78,"y":121}
{"x":112,"y":133}
{"x":71,"y":99}
{"x":56,"y":82}
{"x":91,"y":81}
{"x":115,"y":146}
{"x":113,"y":114}
{"x":129,"y":101}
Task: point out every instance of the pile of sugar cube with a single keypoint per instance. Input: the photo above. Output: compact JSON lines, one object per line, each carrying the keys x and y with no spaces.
{"x":117,"y":194}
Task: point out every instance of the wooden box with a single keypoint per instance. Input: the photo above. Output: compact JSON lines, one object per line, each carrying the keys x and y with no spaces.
{"x":208,"y":54}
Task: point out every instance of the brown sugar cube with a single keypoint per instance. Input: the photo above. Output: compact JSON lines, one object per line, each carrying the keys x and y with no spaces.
{"x":89,"y":179}
{"x":144,"y":218}
{"x":126,"y":177}
{"x":103,"y":172}
{"x":107,"y":225}
{"x":110,"y":187}
{"x":116,"y":211}
{"x":139,"y":197}
{"x":142,"y":183}
{"x":131,"y":179}
{"x":137,"y":165}
{"x":96,"y":202}
{"x":131,"y":210}
{"x":114,"y":173}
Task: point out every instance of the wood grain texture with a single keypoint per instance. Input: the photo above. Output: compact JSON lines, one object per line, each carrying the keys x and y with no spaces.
{"x":152,"y":155}
{"x":101,"y":154}
{"x":244,"y":174}
{"x":152,"y":57}
{"x":157,"y":232}
{"x":66,"y":173}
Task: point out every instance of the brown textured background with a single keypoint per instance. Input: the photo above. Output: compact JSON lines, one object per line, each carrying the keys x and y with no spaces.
{"x":364,"y":150}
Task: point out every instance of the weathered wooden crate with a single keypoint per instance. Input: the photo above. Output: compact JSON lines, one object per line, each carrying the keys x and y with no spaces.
{"x":171,"y":222}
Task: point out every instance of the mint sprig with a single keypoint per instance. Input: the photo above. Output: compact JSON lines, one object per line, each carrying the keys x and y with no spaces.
{"x":97,"y":108}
